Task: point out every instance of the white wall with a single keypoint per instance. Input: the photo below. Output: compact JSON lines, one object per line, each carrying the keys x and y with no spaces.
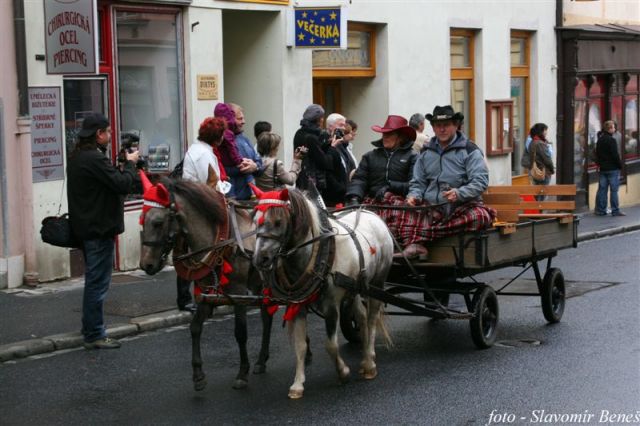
{"x":601,"y":12}
{"x":254,"y":45}
{"x":52,"y":262}
{"x":202,"y":55}
{"x":413,"y":63}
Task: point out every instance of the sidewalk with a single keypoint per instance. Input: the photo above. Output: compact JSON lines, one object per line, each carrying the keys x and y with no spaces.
{"x":46,"y":318}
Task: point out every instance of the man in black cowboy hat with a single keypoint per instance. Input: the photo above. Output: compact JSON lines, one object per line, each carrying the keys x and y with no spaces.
{"x":451,"y":174}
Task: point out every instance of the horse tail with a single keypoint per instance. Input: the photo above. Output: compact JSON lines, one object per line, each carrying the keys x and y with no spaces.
{"x":381,"y":325}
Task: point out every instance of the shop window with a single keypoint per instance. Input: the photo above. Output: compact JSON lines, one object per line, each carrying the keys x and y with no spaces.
{"x":520,"y":71}
{"x":631,"y":118}
{"x":148,"y":84}
{"x":82,"y":96}
{"x":462,"y":69}
{"x":595,"y":118}
{"x":357,"y":60}
{"x":499,"y":127}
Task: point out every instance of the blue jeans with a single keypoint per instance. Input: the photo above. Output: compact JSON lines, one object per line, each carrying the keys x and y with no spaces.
{"x":609,"y":179}
{"x":98,"y":264}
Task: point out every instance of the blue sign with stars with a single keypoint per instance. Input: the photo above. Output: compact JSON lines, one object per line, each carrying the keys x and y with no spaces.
{"x":317,"y":27}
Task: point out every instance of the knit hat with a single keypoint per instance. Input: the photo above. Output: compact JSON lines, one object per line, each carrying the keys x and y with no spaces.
{"x":313,"y":112}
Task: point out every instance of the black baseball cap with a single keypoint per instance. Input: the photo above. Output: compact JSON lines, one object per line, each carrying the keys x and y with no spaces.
{"x":92,"y":123}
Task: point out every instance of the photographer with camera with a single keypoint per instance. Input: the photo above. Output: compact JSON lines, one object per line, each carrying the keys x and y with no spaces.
{"x":95,"y":194}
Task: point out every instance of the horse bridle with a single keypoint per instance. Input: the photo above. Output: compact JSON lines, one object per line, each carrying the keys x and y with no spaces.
{"x":169,"y":241}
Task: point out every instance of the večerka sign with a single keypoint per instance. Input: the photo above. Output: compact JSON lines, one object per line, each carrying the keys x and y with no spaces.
{"x":71,"y":36}
{"x":46,"y":134}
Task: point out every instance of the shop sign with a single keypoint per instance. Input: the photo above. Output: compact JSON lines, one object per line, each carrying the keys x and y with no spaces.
{"x":46,"y":134}
{"x":71,"y":37}
{"x":207,"y":87}
{"x":319,"y":27}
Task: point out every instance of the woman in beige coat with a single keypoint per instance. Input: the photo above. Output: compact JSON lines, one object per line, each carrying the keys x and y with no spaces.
{"x":275,"y":175}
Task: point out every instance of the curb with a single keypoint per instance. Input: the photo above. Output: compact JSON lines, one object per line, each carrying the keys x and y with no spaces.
{"x":56,"y":342}
{"x":607,"y":232}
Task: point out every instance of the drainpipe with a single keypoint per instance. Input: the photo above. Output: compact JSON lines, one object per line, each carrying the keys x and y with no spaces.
{"x":3,"y":187}
{"x":21,"y":57}
{"x":560,"y":142}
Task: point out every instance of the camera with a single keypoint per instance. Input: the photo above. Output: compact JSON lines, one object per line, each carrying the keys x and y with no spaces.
{"x":338,"y":133}
{"x":129,"y":142}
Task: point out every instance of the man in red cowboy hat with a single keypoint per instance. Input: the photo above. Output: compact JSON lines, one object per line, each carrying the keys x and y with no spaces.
{"x":450,"y":175}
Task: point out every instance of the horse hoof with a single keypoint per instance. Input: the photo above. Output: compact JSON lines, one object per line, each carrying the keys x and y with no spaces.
{"x":370,"y":374}
{"x":259,"y":369}
{"x":295,"y":393}
{"x":344,"y":375}
{"x":240,"y":384}
{"x":199,"y":385}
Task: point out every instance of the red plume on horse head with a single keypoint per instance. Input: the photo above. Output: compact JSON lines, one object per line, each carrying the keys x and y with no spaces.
{"x":282,"y":195}
{"x":153,"y":195}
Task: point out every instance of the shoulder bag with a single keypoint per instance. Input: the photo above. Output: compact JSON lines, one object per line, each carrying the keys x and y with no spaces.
{"x":56,"y":230}
{"x":537,"y":173}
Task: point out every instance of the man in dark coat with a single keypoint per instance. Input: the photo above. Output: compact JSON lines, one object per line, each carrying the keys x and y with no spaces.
{"x":610,"y":166}
{"x":95,"y":194}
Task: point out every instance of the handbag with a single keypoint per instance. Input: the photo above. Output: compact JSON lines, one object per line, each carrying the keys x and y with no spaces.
{"x":537,"y":173}
{"x":56,"y":230}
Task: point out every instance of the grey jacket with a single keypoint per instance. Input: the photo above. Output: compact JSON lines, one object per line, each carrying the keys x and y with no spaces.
{"x":460,"y":165}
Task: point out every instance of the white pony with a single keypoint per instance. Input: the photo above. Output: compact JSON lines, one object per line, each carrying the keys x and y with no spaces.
{"x":312,"y":261}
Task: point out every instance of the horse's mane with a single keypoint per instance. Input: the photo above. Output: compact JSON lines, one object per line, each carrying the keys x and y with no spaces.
{"x":305,"y":216}
{"x":203,"y":198}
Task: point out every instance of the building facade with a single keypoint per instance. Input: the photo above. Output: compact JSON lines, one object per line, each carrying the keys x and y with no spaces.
{"x":164,"y":64}
{"x":599,"y":58}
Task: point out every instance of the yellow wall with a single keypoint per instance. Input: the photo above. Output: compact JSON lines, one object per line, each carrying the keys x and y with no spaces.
{"x":629,"y":194}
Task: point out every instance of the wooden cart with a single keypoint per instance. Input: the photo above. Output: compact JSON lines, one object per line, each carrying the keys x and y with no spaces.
{"x":423,"y":288}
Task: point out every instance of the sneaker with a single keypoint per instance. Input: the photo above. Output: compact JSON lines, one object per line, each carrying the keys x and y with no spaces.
{"x":106,"y":343}
{"x":189,"y":307}
{"x":599,"y":213}
{"x":618,"y":214}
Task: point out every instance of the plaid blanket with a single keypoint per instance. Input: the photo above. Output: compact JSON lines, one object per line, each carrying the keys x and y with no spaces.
{"x":419,"y":226}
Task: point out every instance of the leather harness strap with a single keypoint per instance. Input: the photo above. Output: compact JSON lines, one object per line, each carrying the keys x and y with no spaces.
{"x":189,"y":268}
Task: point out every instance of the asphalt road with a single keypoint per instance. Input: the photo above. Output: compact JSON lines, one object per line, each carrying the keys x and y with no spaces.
{"x":588,"y":364}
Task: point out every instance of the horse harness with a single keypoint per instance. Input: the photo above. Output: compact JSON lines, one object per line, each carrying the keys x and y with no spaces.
{"x":312,"y":280}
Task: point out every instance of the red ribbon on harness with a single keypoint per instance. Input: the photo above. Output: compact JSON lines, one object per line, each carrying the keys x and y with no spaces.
{"x":292,"y":309}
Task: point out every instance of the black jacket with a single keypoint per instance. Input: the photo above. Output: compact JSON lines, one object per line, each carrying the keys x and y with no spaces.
{"x":380,"y":168}
{"x":336,"y":180}
{"x":317,"y":162}
{"x":95,"y":193}
{"x":607,"y":153}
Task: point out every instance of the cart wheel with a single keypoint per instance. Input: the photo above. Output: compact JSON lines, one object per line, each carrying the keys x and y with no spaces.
{"x":348,"y":324}
{"x":484,"y":323}
{"x":553,"y":295}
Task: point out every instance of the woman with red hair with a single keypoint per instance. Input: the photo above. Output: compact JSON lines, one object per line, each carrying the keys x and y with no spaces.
{"x":199,"y":157}
{"x":201,"y":153}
